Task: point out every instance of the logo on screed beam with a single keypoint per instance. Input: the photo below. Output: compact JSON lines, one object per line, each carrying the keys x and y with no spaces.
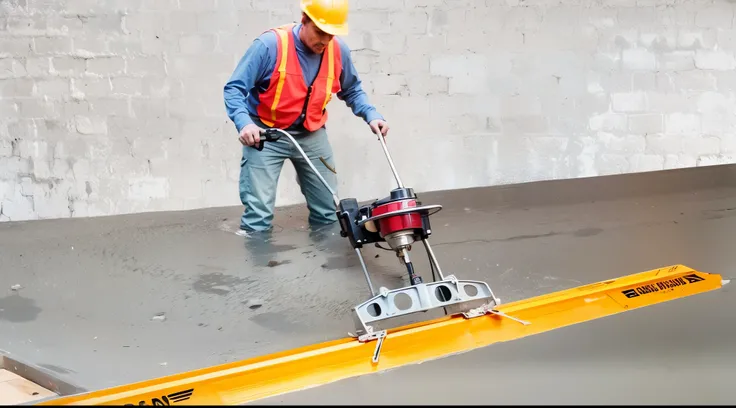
{"x":174,"y":397}
{"x":662,"y":285}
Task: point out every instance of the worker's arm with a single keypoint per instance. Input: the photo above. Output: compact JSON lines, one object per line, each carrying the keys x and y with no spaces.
{"x":352,"y":89}
{"x":251,"y":70}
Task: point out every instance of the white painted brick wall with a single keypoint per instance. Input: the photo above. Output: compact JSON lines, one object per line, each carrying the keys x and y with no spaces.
{"x":116,"y":106}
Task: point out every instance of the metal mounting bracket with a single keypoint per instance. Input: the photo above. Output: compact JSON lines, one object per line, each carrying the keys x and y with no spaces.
{"x":485,"y":309}
{"x":455,"y":295}
{"x":379,"y":336}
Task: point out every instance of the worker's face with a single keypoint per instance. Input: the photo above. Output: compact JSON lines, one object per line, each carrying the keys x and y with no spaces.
{"x":314,"y":38}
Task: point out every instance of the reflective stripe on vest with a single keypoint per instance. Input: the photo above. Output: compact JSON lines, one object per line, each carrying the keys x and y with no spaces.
{"x":284,"y":100}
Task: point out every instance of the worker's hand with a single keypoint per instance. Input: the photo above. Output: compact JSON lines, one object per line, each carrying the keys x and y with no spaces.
{"x":379,"y":126}
{"x":250,"y":135}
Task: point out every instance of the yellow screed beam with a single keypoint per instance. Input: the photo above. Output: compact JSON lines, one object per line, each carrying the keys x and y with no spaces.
{"x":279,"y":373}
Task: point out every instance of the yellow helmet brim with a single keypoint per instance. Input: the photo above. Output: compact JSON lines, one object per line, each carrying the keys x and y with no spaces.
{"x":329,"y":15}
{"x":333,"y":29}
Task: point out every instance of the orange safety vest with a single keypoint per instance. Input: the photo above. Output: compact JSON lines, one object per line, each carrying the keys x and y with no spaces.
{"x":282,"y":103}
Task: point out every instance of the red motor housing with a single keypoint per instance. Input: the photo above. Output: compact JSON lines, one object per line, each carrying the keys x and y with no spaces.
{"x":395,"y":223}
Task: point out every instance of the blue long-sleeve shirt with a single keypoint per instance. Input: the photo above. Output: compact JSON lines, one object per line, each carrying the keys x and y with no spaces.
{"x":253,"y":72}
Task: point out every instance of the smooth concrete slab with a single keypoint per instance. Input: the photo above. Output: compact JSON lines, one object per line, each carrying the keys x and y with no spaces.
{"x":93,"y":290}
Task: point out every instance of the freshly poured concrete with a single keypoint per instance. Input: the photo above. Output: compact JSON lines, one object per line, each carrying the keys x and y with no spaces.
{"x":682,"y":352}
{"x":91,"y":289}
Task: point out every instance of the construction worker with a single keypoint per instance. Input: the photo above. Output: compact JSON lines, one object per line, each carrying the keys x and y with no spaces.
{"x":284,"y":80}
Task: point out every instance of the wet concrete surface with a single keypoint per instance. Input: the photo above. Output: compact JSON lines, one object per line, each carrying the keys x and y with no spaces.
{"x":113,"y":300}
{"x":680,"y":352}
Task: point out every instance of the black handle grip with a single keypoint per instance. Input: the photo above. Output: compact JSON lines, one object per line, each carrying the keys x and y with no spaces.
{"x":267,"y":135}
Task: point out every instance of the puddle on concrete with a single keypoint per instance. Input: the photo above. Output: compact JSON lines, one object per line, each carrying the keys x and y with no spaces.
{"x":279,"y":322}
{"x":347,"y":261}
{"x":587,"y":232}
{"x":18,"y":309}
{"x":218,"y":283}
{"x":265,"y":244}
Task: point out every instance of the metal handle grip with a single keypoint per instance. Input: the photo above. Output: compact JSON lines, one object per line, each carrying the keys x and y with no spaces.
{"x":267,"y":135}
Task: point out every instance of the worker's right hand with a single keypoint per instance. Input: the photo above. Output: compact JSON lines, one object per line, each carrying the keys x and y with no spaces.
{"x":250,"y":135}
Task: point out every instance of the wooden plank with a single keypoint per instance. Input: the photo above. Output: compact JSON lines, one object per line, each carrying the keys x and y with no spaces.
{"x":17,"y":390}
{"x":6,"y":375}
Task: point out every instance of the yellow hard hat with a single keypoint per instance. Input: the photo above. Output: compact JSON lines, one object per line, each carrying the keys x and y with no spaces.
{"x":331,"y":16}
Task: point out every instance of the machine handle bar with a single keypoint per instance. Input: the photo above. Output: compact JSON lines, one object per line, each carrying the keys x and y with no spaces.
{"x":274,"y":134}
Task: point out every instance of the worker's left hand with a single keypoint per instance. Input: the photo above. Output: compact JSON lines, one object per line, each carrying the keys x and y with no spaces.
{"x":379,"y":126}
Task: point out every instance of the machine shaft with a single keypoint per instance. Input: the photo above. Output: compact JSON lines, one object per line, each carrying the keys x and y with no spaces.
{"x":413,"y":278}
{"x":390,"y":162}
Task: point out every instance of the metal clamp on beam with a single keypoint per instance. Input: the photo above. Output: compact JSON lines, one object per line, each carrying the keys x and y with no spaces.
{"x":487,"y":308}
{"x":374,"y":336}
{"x":502,"y":314}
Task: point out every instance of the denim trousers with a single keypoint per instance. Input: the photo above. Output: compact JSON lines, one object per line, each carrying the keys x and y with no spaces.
{"x":259,"y":176}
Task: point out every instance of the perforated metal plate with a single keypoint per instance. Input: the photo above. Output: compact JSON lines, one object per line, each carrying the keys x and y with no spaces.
{"x":456,"y":295}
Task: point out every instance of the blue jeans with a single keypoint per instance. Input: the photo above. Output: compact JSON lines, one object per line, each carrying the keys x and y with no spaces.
{"x":259,"y":176}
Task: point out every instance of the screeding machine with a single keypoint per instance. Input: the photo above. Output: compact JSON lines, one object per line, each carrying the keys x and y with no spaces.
{"x":399,"y":220}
